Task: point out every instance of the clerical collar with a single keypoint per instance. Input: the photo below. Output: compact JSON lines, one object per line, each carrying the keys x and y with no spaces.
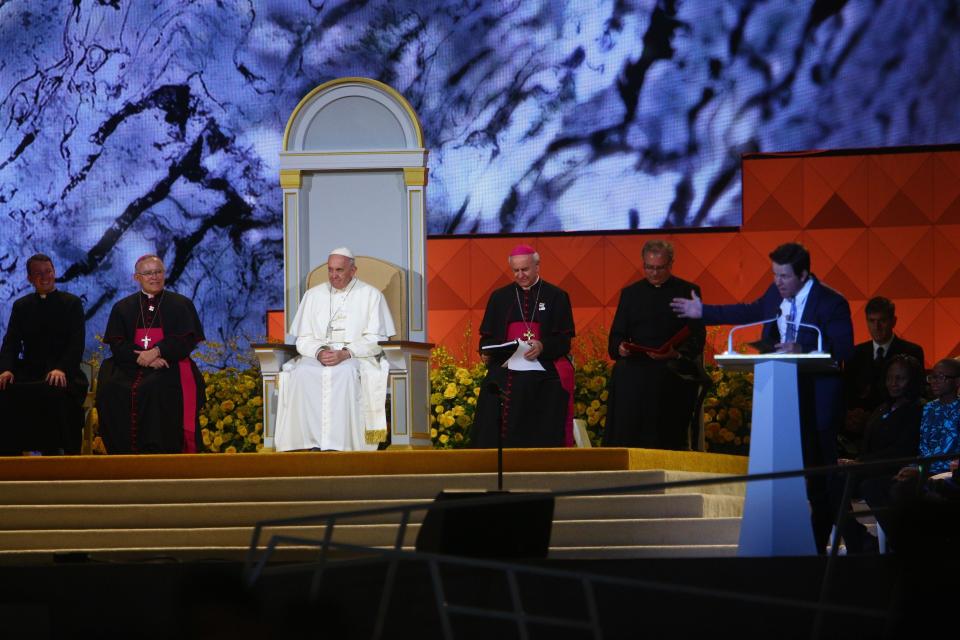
{"x":346,"y":289}
{"x":657,"y":286}
{"x":148,"y":296}
{"x":535,"y":283}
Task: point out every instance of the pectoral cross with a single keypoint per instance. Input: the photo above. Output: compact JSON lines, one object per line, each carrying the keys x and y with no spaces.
{"x":529,"y":334}
{"x":146,"y":342}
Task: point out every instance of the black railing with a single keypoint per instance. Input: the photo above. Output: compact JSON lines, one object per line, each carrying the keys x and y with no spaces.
{"x":258,"y":559}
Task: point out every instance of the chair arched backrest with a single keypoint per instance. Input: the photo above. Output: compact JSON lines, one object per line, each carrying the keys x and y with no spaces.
{"x":386,"y":276}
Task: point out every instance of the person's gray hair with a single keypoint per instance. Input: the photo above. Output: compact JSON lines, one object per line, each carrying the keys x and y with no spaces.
{"x":144,"y":258}
{"x":658,"y":247}
{"x":535,"y":255}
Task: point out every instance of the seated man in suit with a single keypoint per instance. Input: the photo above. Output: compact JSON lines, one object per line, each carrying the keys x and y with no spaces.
{"x":865,"y":375}
{"x":796,"y":294}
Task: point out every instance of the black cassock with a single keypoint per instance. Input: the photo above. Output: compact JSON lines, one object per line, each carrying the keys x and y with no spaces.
{"x":44,"y":333}
{"x":650,"y":405}
{"x":142,"y":409}
{"x":532,"y":406}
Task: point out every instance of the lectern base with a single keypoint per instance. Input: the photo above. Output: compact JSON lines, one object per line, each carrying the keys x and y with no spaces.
{"x":776,"y":513}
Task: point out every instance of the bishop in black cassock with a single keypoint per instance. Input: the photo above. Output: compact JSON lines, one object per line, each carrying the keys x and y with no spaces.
{"x":532,"y":408}
{"x":149,"y":392}
{"x":41,"y":385}
{"x":652,"y":398}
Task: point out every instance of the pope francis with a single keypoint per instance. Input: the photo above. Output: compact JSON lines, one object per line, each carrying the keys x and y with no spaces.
{"x":332,"y":397}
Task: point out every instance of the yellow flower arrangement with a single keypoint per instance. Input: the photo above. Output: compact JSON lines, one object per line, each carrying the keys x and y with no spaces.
{"x":453,"y":396}
{"x":726,"y":412}
{"x":232,"y":419}
{"x":592,"y":370}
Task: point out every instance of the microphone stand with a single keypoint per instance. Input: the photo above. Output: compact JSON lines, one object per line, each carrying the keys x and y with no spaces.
{"x":762,"y":322}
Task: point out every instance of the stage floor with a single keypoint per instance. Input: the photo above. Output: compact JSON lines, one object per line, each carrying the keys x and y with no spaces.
{"x":263,"y":465}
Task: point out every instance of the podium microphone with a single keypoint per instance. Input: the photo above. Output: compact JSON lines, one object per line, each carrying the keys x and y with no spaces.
{"x":775,"y":319}
{"x":493,"y":387}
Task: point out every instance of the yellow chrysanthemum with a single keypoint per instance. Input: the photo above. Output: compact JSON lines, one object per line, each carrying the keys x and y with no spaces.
{"x":230,"y":449}
{"x":444,"y":439}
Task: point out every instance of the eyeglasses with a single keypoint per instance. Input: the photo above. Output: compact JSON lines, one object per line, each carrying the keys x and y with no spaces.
{"x":939,"y":377}
{"x":150,"y":274}
{"x":656,"y":267}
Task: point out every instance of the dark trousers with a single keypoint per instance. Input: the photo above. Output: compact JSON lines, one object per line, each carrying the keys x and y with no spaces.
{"x":35,"y":416}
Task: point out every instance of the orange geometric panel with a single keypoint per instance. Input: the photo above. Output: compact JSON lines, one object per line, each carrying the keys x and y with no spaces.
{"x":946,"y":260}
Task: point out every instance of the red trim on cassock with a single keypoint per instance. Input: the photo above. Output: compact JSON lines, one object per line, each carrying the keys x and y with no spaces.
{"x":188,"y":388}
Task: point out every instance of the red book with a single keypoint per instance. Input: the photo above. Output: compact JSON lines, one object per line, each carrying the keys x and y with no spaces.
{"x":663,"y":349}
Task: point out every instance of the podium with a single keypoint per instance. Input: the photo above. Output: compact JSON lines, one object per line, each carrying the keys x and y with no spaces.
{"x":776,"y":513}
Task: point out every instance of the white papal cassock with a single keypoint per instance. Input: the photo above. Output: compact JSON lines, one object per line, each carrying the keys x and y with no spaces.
{"x":341,"y":407}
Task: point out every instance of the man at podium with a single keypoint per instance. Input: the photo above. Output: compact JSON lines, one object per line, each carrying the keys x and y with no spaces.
{"x":798,"y":298}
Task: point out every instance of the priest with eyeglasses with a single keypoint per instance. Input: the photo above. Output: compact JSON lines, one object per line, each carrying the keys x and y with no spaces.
{"x":149,"y":391}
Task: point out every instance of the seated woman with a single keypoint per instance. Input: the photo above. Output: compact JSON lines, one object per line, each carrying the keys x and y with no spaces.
{"x":892,"y":431}
{"x":939,"y":436}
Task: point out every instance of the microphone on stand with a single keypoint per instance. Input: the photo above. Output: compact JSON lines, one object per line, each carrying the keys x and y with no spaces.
{"x":775,"y":319}
{"x":493,"y":387}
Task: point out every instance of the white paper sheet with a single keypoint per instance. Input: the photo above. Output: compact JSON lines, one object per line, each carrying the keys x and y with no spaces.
{"x":518,"y":363}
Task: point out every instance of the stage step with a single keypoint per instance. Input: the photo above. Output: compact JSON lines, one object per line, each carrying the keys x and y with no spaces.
{"x":213,"y":518}
{"x":321,"y":488}
{"x":213,"y":514}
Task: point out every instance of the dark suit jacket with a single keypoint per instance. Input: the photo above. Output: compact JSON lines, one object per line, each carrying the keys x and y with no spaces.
{"x":821,"y":394}
{"x":865,"y":377}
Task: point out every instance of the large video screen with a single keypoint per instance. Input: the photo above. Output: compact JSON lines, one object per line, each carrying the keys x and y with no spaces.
{"x":137,"y":127}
